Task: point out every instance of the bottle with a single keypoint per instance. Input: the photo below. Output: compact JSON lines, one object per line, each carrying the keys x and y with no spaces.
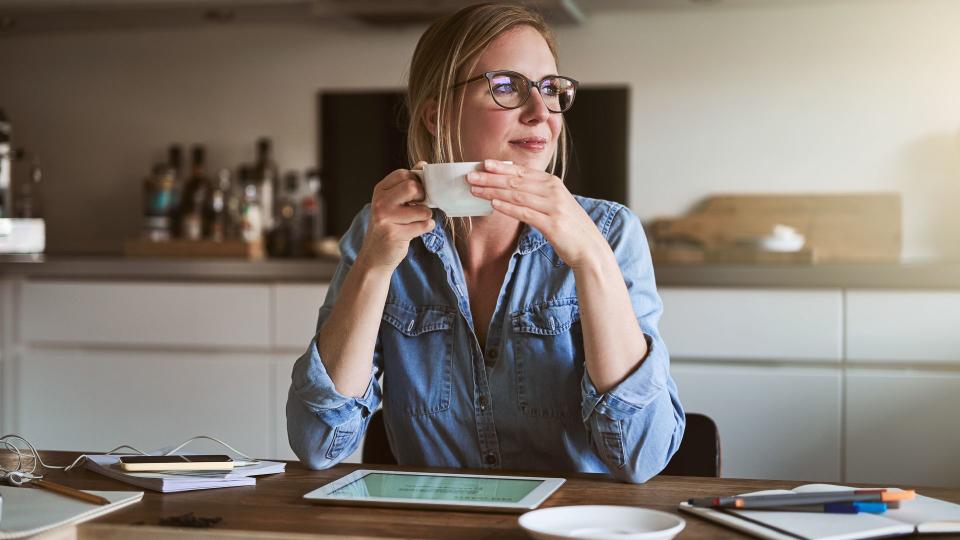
{"x":6,"y":166}
{"x":234,"y":201}
{"x":28,"y":200}
{"x":266,"y":176}
{"x":286,"y":232}
{"x":311,"y":212}
{"x":175,"y":166}
{"x":215,"y":218}
{"x":194,"y":196}
{"x":157,"y":195}
{"x":251,"y":218}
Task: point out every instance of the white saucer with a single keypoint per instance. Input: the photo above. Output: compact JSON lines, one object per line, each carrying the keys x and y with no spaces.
{"x":601,"y":523}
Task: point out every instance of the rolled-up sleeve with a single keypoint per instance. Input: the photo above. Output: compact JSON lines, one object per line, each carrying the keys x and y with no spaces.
{"x":323,"y":425}
{"x":636,"y":426}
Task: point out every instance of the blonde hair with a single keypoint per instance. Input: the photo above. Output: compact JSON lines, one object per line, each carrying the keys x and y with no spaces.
{"x":443,"y":50}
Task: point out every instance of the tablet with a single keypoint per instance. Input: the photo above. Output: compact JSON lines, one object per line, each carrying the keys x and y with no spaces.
{"x":437,"y":490}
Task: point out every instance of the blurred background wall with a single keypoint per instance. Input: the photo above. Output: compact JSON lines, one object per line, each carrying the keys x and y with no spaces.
{"x":739,"y":96}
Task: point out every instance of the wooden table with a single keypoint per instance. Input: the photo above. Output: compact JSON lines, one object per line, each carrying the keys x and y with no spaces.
{"x":275,"y":508}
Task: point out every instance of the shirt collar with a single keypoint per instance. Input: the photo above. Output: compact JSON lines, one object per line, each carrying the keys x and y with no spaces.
{"x":530,"y":238}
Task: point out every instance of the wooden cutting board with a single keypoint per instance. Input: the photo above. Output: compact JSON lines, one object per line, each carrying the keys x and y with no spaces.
{"x":862,"y":227}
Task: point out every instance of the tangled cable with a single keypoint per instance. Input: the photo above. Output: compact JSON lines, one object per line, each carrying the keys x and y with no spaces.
{"x":28,"y":458}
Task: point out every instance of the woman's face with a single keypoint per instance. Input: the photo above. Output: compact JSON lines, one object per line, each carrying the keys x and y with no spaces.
{"x":526,"y":135}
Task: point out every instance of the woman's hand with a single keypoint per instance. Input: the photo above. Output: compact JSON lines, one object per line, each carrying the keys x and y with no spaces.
{"x":540,"y":200}
{"x":395,"y":220}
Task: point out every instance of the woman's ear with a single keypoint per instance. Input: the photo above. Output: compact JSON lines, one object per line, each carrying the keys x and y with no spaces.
{"x":430,"y":116}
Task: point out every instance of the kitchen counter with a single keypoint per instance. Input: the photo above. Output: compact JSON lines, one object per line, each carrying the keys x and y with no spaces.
{"x":907,"y":275}
{"x":143,"y":268}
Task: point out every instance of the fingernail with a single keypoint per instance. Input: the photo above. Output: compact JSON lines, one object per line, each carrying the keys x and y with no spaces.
{"x":472,"y":176}
{"x":476,"y":189}
{"x":489,"y":163}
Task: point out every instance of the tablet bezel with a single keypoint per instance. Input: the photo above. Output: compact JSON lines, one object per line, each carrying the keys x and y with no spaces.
{"x":532,"y":500}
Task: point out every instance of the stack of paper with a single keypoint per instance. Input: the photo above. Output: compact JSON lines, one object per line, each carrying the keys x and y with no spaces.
{"x":171,"y":481}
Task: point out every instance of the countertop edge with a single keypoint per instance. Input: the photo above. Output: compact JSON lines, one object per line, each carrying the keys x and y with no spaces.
{"x":907,"y":275}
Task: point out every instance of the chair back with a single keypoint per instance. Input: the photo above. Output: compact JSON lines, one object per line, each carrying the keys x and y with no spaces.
{"x":699,"y":452}
{"x":698,"y":455}
{"x":376,"y":447}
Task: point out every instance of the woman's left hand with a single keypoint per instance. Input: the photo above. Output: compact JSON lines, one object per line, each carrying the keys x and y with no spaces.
{"x":540,"y":200}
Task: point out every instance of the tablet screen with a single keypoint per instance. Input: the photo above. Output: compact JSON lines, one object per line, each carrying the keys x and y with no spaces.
{"x":438,"y":488}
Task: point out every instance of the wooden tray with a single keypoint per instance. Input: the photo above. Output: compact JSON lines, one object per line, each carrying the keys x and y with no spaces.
{"x":861,"y":227}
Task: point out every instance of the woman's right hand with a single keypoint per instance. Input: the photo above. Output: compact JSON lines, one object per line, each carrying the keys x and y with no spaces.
{"x":394,"y":221}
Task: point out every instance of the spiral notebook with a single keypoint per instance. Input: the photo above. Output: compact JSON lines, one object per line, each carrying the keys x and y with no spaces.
{"x":28,"y":511}
{"x":923,"y":515}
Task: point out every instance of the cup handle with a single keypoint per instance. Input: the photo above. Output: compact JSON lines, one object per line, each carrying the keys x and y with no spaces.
{"x":426,"y":198}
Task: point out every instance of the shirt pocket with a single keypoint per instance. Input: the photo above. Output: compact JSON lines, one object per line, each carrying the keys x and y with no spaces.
{"x":548,"y":358}
{"x":417,"y":343}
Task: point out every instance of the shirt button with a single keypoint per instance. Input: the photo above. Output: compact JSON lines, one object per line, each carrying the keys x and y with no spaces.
{"x":490,"y":459}
{"x":483,"y":403}
{"x":492,"y":354}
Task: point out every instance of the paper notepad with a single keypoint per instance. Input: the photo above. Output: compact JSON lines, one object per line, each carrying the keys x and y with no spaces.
{"x":921,"y":515}
{"x":28,"y":511}
{"x":173,"y":481}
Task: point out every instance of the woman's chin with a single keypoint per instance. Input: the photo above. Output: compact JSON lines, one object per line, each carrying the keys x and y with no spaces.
{"x":536,"y":162}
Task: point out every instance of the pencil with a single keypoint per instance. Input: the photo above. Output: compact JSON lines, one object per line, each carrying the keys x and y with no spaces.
{"x":816,"y":497}
{"x":70,"y":492}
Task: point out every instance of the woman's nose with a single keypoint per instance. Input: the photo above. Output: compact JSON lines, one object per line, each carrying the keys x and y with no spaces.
{"x":535,"y":110}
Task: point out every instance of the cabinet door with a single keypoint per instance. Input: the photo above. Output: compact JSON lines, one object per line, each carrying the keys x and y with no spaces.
{"x":902,"y":427}
{"x":8,"y":289}
{"x":282,"y":369}
{"x":97,"y":400}
{"x":150,"y":314}
{"x":903,"y":326}
{"x":774,"y":422}
{"x":753,"y":324}
{"x":295,"y":314}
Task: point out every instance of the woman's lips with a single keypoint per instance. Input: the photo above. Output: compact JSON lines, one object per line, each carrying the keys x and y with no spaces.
{"x":530,"y":144}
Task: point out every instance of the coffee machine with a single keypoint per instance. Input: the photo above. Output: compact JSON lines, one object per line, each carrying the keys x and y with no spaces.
{"x":18,"y":234}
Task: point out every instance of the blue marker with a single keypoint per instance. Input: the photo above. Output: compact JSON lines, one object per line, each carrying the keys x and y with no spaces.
{"x":855,"y":507}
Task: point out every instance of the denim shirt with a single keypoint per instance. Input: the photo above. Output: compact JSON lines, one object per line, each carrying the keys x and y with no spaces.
{"x":524,"y":401}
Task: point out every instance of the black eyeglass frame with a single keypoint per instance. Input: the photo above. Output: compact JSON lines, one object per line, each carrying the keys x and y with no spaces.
{"x":530,"y":84}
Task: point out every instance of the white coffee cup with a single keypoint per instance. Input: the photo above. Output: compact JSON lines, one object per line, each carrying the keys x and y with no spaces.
{"x":447,"y":188}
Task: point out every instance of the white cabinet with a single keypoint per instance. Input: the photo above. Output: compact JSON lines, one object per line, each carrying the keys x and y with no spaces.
{"x":775,"y":422}
{"x":295,"y":314}
{"x":76,"y":399}
{"x":98,"y":363}
{"x":781,"y":416}
{"x":281,"y":384}
{"x":805,"y":384}
{"x":753,"y":324}
{"x":7,"y":386}
{"x":902,"y":427}
{"x":145,"y":314}
{"x":903,"y":326}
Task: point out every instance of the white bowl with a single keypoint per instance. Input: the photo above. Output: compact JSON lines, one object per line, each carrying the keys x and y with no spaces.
{"x":601,"y":523}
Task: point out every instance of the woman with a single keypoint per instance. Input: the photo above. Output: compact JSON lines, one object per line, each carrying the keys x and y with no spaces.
{"x":527,"y":340}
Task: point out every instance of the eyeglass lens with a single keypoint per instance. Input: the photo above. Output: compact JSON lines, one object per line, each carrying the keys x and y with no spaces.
{"x":512,"y":90}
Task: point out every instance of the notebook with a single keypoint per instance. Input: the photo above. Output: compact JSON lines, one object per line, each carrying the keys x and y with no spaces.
{"x":28,"y":511}
{"x":921,"y":515}
{"x":173,"y":481}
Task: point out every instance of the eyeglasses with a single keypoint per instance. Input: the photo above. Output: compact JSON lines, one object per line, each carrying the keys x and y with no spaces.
{"x":511,"y":90}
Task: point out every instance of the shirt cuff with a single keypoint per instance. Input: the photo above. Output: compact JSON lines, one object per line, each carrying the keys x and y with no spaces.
{"x":314,"y":387}
{"x":633,"y":393}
